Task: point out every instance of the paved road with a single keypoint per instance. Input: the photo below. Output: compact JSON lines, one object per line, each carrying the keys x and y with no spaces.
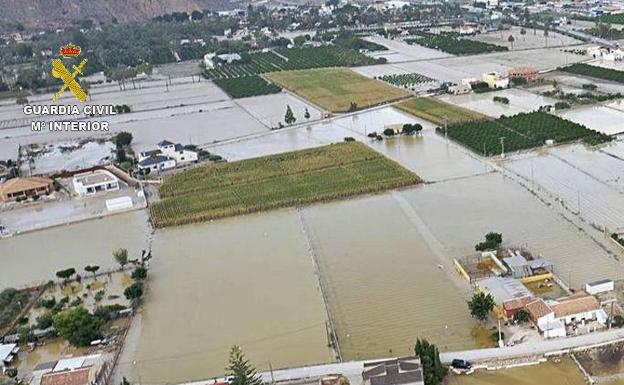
{"x":353,"y":369}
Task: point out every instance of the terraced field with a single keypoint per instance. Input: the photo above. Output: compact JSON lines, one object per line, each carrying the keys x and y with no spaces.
{"x":283,"y":180}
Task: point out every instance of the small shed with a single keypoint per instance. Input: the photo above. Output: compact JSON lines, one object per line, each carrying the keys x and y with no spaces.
{"x":601,"y":286}
{"x":121,"y":203}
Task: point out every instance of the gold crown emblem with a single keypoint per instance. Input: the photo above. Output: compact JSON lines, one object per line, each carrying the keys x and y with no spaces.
{"x":70,"y":50}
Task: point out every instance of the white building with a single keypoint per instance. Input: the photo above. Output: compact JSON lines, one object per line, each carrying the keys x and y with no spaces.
{"x":229,"y":58}
{"x":552,"y":318}
{"x":92,"y":182}
{"x":598,"y":287}
{"x":167,"y":156}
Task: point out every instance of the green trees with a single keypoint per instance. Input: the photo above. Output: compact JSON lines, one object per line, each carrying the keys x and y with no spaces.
{"x":78,"y":326}
{"x":289,"y":117}
{"x":433,"y":370}
{"x":92,"y":269}
{"x":521,"y":316}
{"x":239,"y":367}
{"x":66,"y":274}
{"x":480,"y":305}
{"x":501,"y":99}
{"x":134,"y":291}
{"x":409,"y":129}
{"x":139,"y":274}
{"x":492,"y":241}
{"x":511,"y":40}
{"x":121,"y":257}
{"x":122,"y":139}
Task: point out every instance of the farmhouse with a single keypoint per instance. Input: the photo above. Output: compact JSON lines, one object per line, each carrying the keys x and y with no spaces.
{"x":92,"y":182}
{"x":167,"y":156}
{"x":503,"y":289}
{"x":20,"y":188}
{"x":398,"y":371}
{"x":552,"y":318}
{"x":495,"y":80}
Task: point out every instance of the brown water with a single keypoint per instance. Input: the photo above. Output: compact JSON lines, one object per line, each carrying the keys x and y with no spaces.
{"x":564,"y":372}
{"x":34,"y":258}
{"x":247,"y":281}
{"x":383,"y":279}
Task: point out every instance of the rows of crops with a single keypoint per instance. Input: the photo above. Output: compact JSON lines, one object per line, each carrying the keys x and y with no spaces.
{"x":406,"y":80}
{"x":246,"y":86}
{"x":595,"y":72}
{"x":438,"y":111}
{"x":453,"y":45}
{"x":283,"y":180}
{"x":292,"y":59}
{"x":522,"y":131}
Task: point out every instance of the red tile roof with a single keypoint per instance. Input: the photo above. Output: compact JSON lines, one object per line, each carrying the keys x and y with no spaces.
{"x":73,"y":377}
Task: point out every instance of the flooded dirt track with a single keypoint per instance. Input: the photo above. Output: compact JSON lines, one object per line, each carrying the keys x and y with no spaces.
{"x":460,"y":212}
{"x":247,"y":281}
{"x":560,"y":373}
{"x":385,"y":288}
{"x":34,"y":258}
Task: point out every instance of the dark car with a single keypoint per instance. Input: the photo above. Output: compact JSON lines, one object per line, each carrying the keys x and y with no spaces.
{"x":461,"y":364}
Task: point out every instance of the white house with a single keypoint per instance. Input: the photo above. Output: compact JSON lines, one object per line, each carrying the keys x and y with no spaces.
{"x":167,"y":156}
{"x":601,"y":286}
{"x":552,"y":318}
{"x":229,"y":58}
{"x":92,"y":182}
{"x":177,"y":152}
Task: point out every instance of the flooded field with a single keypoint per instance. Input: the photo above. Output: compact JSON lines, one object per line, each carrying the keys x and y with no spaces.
{"x":575,"y":184}
{"x":249,"y":281}
{"x":564,"y":372}
{"x":34,"y":258}
{"x":519,"y":101}
{"x":532,"y":39}
{"x":601,"y":118}
{"x":459,"y":212}
{"x":387,"y":284}
{"x":270,"y":109}
{"x":399,"y":51}
{"x":430,"y":156}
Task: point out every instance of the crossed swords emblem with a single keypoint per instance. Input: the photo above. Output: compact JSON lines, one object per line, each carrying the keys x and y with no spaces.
{"x":60,"y":71}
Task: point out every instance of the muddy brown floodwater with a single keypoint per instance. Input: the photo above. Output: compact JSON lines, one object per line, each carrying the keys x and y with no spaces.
{"x":247,"y":280}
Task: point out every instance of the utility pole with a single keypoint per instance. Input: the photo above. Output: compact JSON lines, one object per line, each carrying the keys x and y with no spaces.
{"x":271,"y":369}
{"x":445,"y":127}
{"x":502,"y":142}
{"x":578,"y":202}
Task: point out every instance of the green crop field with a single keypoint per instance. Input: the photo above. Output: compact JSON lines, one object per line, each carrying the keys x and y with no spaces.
{"x":435,"y":111}
{"x":452,"y":44}
{"x":283,"y":180}
{"x":335,"y":89}
{"x":247,"y":86}
{"x":287,"y":59}
{"x":595,"y":72}
{"x":522,"y":131}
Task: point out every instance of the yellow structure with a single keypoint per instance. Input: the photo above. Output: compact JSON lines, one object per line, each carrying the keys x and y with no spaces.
{"x":495,"y":80}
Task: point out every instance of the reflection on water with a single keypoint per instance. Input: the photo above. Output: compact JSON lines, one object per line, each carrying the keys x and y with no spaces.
{"x":246,"y":280}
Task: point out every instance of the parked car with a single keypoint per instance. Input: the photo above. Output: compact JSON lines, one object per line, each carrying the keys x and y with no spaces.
{"x":461,"y":364}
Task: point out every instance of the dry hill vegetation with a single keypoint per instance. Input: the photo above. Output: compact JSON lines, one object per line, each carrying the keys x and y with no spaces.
{"x":283,"y":180}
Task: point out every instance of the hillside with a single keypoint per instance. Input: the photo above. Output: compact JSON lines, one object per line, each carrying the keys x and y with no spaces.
{"x":58,"y":13}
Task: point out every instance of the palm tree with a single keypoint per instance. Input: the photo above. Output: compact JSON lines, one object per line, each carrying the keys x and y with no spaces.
{"x":511,"y":40}
{"x":121,"y":257}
